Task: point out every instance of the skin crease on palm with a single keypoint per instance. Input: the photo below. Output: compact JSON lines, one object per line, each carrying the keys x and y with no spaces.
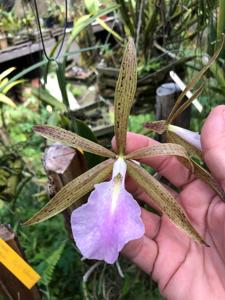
{"x":183,"y":268}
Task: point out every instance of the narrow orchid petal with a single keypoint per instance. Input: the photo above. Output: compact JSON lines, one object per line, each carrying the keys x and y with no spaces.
{"x":164,"y":200}
{"x":172,"y":137}
{"x":124,"y":94}
{"x":186,"y":104}
{"x":159,"y":150}
{"x":73,"y":191}
{"x":159,"y":127}
{"x":109,"y":219}
{"x":71,"y":139}
{"x":189,"y":136}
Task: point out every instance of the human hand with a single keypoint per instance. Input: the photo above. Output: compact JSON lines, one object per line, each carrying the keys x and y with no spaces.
{"x":183,"y":268}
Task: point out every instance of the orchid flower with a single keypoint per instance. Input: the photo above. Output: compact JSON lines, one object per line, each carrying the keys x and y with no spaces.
{"x":188,"y":139}
{"x":111,"y":217}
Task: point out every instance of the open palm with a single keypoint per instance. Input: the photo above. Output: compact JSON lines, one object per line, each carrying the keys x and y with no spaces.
{"x":183,"y":268}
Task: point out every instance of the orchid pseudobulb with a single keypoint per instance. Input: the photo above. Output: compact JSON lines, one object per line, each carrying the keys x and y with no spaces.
{"x":111,"y":217}
{"x":109,"y":220}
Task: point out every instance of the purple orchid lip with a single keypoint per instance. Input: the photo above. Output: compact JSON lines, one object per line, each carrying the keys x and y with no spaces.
{"x":193,"y":138}
{"x":109,"y":220}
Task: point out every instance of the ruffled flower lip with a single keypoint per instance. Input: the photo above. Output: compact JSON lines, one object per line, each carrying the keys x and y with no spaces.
{"x":109,"y":220}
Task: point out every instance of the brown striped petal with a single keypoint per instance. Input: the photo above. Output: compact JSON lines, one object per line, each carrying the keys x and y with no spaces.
{"x":160,"y":150}
{"x":164,"y":200}
{"x":73,"y":191}
{"x":187,"y":103}
{"x":157,"y":126}
{"x":71,"y":139}
{"x":124,"y":94}
{"x":172,"y":137}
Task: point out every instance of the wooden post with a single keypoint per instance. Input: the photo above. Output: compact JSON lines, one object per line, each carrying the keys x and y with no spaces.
{"x":62,"y":164}
{"x":166,"y":96}
{"x":10,"y":287}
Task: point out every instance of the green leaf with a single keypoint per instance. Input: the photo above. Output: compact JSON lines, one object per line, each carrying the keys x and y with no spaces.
{"x":24,"y":72}
{"x":124,"y":94}
{"x":86,"y":20}
{"x":4,"y":82}
{"x":109,"y":29}
{"x":80,"y":25}
{"x":92,"y":6}
{"x":6,"y":73}
{"x":221,"y":23}
{"x":73,"y":191}
{"x":218,"y":73}
{"x":43,"y":95}
{"x":49,"y":264}
{"x":9,"y":86}
{"x":6,"y":100}
{"x":62,"y":84}
{"x":128,"y":15}
{"x":86,"y":132}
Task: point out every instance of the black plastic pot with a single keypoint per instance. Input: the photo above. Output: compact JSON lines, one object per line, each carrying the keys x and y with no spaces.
{"x":69,"y":24}
{"x":7,"y":4}
{"x":50,"y":21}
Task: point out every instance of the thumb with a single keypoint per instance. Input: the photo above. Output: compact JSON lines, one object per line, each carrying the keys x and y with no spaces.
{"x":213,"y":143}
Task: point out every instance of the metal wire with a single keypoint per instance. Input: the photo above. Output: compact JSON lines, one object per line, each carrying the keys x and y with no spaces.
{"x":41,"y":35}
